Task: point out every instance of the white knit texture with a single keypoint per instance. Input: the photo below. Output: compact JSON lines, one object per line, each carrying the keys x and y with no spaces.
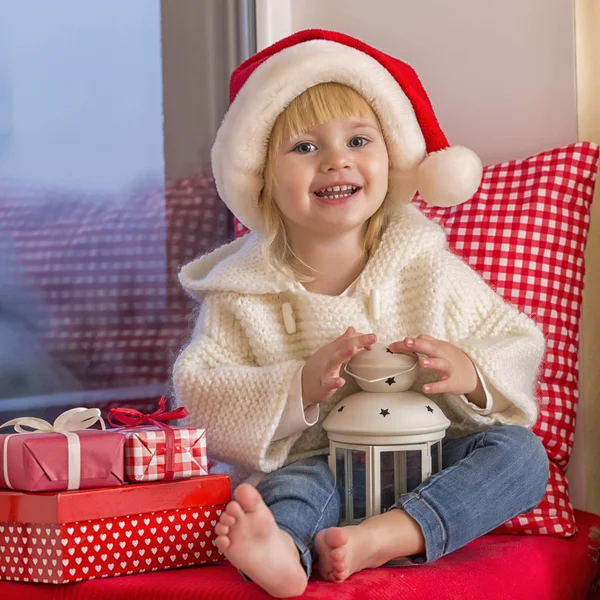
{"x":235,"y":375}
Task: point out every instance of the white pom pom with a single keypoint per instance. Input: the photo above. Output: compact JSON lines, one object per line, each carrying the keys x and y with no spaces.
{"x":449,"y":177}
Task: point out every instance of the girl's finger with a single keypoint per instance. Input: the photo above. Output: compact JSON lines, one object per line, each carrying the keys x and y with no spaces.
{"x":351,"y":346}
{"x":348,"y":350}
{"x":430,"y":347}
{"x":438,"y":387}
{"x":399,"y":347}
{"x":338,"y":358}
{"x":365,"y":340}
{"x":441,"y":365}
{"x":332,"y":383}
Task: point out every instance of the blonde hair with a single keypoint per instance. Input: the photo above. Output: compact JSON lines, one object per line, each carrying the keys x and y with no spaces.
{"x":317,"y":105}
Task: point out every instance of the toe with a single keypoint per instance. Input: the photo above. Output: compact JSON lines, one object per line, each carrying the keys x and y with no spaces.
{"x":227,"y":520}
{"x":234,"y":510}
{"x":338,"y":562}
{"x":248,"y":497}
{"x":336,"y":537}
{"x":338,"y":554}
{"x":221,"y":529}
{"x":222,"y":542}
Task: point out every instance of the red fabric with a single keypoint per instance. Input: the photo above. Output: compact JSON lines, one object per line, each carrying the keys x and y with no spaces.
{"x":524,"y":231}
{"x":495,"y":567}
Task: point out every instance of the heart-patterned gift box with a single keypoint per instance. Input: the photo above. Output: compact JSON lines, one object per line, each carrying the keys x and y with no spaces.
{"x":72,"y":536}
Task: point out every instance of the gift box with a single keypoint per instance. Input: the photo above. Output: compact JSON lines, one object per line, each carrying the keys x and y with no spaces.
{"x":147,"y":454}
{"x":87,"y":534}
{"x":155,"y":450}
{"x":61,"y":456}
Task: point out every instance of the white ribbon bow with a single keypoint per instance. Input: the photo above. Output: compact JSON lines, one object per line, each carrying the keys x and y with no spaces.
{"x":74,"y":419}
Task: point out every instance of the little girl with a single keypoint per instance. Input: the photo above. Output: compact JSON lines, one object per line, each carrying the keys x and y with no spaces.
{"x":323,"y":147}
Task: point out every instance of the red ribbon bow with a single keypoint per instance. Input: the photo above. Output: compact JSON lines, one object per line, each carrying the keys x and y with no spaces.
{"x":129,"y":417}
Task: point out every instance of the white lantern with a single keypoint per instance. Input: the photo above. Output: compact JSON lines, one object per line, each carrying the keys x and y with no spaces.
{"x":385,"y":440}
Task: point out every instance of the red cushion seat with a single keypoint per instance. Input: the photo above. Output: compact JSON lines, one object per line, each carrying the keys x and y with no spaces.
{"x":494,"y":567}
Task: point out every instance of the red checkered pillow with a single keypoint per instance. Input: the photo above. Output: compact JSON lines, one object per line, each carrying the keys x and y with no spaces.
{"x":524,"y":232}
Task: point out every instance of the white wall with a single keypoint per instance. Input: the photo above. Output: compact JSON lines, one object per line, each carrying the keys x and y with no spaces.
{"x":501,"y":75}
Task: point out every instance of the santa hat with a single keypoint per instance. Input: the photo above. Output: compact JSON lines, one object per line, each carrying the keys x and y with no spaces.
{"x":262,"y":87}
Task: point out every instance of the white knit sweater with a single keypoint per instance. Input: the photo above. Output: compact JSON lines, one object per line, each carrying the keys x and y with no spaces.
{"x":235,"y":375}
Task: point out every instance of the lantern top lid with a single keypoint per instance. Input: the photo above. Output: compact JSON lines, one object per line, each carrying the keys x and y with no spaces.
{"x":381,"y":370}
{"x":382,"y":357}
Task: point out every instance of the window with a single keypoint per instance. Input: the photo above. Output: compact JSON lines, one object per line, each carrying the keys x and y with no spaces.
{"x":108,"y":111}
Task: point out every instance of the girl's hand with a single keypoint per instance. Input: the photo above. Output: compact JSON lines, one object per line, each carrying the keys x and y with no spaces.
{"x":321,"y":374}
{"x":456,"y":373}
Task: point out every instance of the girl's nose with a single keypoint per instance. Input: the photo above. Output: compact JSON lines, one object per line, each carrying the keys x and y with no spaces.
{"x":336,"y":159}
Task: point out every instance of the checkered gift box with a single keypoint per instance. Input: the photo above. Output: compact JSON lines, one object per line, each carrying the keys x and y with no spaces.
{"x":146,"y":453}
{"x":155,"y":450}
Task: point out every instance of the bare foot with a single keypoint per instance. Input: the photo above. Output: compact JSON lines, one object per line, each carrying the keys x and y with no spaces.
{"x":346,"y":550}
{"x":250,"y":539}
{"x":331,"y":546}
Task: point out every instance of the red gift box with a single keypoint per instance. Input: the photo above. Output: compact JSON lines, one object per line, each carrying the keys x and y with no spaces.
{"x":62,"y":456}
{"x":88,"y":534}
{"x":154,"y":449}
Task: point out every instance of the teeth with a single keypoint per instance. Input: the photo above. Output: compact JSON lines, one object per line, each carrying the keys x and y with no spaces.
{"x":339,"y":188}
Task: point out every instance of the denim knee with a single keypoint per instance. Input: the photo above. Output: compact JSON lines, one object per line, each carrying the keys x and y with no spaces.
{"x":524,"y":449}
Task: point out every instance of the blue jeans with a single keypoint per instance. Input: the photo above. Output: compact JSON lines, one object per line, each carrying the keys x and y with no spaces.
{"x":487,"y":478}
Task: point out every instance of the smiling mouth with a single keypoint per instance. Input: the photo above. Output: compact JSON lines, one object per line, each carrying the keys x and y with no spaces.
{"x":337,"y":192}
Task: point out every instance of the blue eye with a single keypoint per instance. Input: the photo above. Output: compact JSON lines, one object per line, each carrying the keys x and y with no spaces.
{"x":304,"y":148}
{"x":357,"y":142}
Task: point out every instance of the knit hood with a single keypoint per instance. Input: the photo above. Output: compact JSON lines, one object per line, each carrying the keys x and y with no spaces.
{"x":239,"y":267}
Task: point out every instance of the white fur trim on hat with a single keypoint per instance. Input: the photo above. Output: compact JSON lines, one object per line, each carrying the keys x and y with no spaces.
{"x":449,"y":177}
{"x":239,"y":152}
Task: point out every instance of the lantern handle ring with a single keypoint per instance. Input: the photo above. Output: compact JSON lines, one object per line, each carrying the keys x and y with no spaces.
{"x":380,"y":378}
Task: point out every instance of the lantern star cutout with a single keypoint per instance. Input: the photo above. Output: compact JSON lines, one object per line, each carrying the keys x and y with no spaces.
{"x":340,"y":409}
{"x":429,"y":409}
{"x":390,"y":380}
{"x":384,"y":412}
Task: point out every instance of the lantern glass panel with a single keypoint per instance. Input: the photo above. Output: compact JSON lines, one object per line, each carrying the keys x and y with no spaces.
{"x":358,"y":484}
{"x":340,"y":477}
{"x":388,"y":486}
{"x":401,"y":472}
{"x":414,"y":471}
{"x":436,"y":457}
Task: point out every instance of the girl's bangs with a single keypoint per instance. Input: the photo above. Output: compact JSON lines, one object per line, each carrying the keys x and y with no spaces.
{"x":317,"y":105}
